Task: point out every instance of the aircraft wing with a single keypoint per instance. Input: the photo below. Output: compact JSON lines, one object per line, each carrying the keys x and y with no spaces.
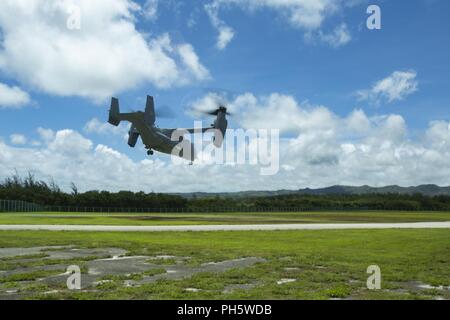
{"x":198,"y":130}
{"x":169,"y":132}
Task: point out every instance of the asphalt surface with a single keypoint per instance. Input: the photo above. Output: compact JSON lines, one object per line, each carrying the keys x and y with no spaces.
{"x":253,"y":227}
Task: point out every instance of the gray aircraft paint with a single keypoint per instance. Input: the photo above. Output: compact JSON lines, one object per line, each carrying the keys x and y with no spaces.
{"x":154,"y":138}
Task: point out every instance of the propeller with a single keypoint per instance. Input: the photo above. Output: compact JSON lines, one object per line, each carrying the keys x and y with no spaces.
{"x":217,"y":111}
{"x":212,"y":104}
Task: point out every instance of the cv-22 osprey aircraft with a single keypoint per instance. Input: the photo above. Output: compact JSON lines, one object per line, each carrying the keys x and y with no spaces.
{"x":161,"y":140}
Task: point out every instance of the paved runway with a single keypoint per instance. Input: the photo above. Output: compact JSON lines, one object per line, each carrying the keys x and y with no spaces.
{"x":252,"y":227}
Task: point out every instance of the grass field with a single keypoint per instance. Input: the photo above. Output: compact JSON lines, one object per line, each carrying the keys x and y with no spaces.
{"x":320,"y":264}
{"x":223,"y":218}
{"x":415,"y":264}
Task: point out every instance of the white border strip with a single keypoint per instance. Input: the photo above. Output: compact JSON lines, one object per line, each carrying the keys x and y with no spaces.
{"x":253,"y":227}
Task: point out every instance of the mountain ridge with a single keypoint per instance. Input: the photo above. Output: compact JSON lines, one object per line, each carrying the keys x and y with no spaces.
{"x":425,"y":189}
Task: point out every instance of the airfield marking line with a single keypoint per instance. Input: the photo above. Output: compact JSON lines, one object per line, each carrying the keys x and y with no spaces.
{"x":200,"y":228}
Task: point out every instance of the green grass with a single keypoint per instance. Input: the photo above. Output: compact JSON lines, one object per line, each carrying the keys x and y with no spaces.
{"x":21,"y":262}
{"x":29,"y":276}
{"x":326,"y":264}
{"x":223,"y":218}
{"x":166,"y":262}
{"x":154,"y":272}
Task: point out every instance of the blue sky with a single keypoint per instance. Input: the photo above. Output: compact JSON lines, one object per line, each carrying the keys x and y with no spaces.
{"x":271,"y":52}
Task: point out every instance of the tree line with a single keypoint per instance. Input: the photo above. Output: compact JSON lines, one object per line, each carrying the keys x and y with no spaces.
{"x":49,"y":194}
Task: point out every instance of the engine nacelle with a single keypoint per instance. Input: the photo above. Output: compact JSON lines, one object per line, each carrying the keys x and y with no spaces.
{"x":133,"y":136}
{"x":220,"y":125}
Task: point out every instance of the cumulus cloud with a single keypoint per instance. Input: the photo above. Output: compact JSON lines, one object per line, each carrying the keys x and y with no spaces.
{"x":45,"y":134}
{"x":18,"y":139}
{"x":339,"y":37}
{"x":439,"y":135}
{"x":395,"y":87}
{"x":275,"y":111}
{"x":192,"y":62}
{"x":301,"y":14}
{"x":13,"y":97}
{"x":69,"y":142}
{"x":150,"y":9}
{"x":103,"y":128}
{"x":226,"y":34}
{"x":323,"y":149}
{"x":105,"y":56}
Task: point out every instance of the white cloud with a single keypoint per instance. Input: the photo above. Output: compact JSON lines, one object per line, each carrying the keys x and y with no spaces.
{"x":191,"y":61}
{"x":69,"y":142}
{"x":315,"y":158}
{"x":439,"y":135}
{"x":307,"y":15}
{"x":103,"y":128}
{"x":275,"y":111}
{"x":304,"y":14}
{"x":150,"y":9}
{"x":339,"y":37}
{"x":45,"y":134}
{"x":226,"y":34}
{"x":106,"y":56}
{"x":324,"y":149}
{"x":18,"y":139}
{"x":329,"y":149}
{"x":358,"y":122}
{"x":12,"y":97}
{"x":397,"y":86}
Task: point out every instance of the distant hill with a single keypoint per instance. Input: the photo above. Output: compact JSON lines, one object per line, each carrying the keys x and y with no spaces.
{"x":426,"y":190}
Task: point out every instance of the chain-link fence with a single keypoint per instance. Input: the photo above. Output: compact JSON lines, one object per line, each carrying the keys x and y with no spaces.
{"x":24,"y":207}
{"x":125,"y":210}
{"x":19,"y":206}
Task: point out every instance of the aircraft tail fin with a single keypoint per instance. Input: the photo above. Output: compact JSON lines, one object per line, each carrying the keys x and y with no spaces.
{"x":114,"y":112}
{"x":150,"y":116}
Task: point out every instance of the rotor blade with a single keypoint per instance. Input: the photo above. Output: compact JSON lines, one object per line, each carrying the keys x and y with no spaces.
{"x":216,"y":112}
{"x":221,"y":92}
{"x":210,"y":102}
